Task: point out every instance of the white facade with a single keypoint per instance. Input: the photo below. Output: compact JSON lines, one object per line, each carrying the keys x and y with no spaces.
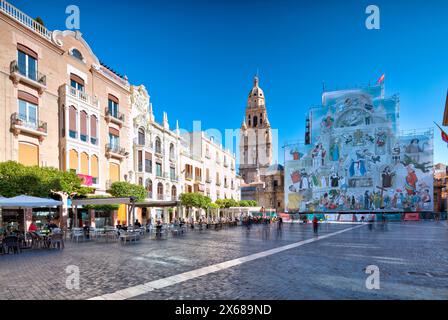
{"x":155,"y":153}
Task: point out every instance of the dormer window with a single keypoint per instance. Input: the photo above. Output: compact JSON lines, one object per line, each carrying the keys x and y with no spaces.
{"x":77,"y":54}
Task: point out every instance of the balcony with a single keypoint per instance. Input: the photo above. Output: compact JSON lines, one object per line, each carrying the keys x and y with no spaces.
{"x":114,"y":117}
{"x":207,"y":155}
{"x":20,"y":125}
{"x":149,"y":195}
{"x":208,"y":180}
{"x":226,"y":164}
{"x":188,"y":176}
{"x":36,"y":80}
{"x":198,"y":179}
{"x":218,"y":183}
{"x":25,"y":20}
{"x":160,"y":196}
{"x":226,"y":185}
{"x":174,"y":178}
{"x":69,"y":91}
{"x":232,"y":167}
{"x":115,"y":151}
{"x":143,"y":143}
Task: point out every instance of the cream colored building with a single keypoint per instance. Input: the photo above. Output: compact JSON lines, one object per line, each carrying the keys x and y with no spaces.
{"x":59,"y":106}
{"x":209,"y":169}
{"x":155,"y":156}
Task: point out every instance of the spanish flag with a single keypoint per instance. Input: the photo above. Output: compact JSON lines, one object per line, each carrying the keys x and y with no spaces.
{"x":444,"y":134}
{"x":381,"y":79}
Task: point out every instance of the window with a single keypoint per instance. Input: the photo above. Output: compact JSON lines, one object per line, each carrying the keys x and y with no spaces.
{"x":27,"y":61}
{"x":158,"y":169}
{"x":172,"y":151}
{"x":149,"y":188}
{"x":73,"y":161}
{"x":28,"y":113}
{"x":160,"y":191}
{"x":141,"y":137}
{"x":93,"y":133}
{"x":84,"y":164}
{"x":255,"y":121}
{"x":114,"y":172}
{"x":114,"y":141}
{"x":77,"y":54}
{"x":83,"y":126}
{"x":173,"y":173}
{"x":72,"y":131}
{"x":94,"y":169}
{"x":158,"y":145}
{"x":28,"y":154}
{"x":140,"y":161}
{"x":173,"y":192}
{"x":113,"y":106}
{"x":148,"y":162}
{"x":140,"y":181}
{"x":76,"y":82}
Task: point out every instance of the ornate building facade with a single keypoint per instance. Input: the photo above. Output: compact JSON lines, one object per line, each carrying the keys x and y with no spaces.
{"x":262,"y":180}
{"x":155,"y":156}
{"x":60,"y":106}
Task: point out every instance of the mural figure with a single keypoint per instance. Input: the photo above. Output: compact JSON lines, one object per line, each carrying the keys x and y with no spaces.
{"x":413,"y":149}
{"x":387,"y":176}
{"x":411,"y":180}
{"x":334,"y":150}
{"x":334,"y":180}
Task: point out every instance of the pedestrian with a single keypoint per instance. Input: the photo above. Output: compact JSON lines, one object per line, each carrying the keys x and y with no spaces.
{"x":280,"y":223}
{"x":315,"y":225}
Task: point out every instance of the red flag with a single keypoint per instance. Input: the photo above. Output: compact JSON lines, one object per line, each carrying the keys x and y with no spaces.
{"x":444,"y":134}
{"x":381,"y":79}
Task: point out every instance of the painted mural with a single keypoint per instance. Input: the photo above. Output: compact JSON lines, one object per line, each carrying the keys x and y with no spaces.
{"x":357,"y":160}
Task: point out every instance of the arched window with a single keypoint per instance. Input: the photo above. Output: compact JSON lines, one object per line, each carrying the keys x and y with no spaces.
{"x":149,"y":188}
{"x":83,"y":125}
{"x":140,"y":181}
{"x":160,"y":191}
{"x":84,"y":164}
{"x":72,"y":114}
{"x":173,"y":193}
{"x":73,"y":160}
{"x":93,"y":131}
{"x":77,"y":54}
{"x":171,"y":151}
{"x":94,"y":172}
{"x":158,"y":145}
{"x":141,"y":137}
{"x":255,"y":121}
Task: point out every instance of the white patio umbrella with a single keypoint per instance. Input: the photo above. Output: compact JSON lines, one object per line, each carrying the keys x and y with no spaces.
{"x":24,"y":201}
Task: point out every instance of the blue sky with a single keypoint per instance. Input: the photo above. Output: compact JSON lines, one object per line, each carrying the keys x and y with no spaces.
{"x":197,"y":58}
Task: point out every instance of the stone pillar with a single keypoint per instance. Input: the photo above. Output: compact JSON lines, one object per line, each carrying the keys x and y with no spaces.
{"x":92,"y":218}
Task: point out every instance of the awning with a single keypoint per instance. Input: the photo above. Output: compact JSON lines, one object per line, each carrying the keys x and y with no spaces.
{"x":28,"y":202}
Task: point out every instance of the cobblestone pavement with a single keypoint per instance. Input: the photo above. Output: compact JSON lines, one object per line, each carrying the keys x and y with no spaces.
{"x":412,"y":258}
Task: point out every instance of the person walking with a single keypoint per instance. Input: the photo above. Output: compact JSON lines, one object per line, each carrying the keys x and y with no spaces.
{"x":280,"y":223}
{"x":315,"y":225}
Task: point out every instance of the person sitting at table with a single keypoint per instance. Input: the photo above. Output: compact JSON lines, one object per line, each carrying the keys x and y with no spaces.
{"x":137,"y":224}
{"x":51,"y":225}
{"x":86,"y":231}
{"x":32,"y":227}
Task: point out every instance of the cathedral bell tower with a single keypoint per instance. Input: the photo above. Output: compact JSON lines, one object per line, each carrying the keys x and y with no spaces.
{"x":255,"y":137}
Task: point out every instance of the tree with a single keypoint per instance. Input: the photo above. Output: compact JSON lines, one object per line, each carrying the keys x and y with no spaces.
{"x":125,"y":189}
{"x":17,"y":179}
{"x":195,"y":200}
{"x":40,"y":21}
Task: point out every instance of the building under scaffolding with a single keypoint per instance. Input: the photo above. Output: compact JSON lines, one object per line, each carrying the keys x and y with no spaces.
{"x":355,"y":158}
